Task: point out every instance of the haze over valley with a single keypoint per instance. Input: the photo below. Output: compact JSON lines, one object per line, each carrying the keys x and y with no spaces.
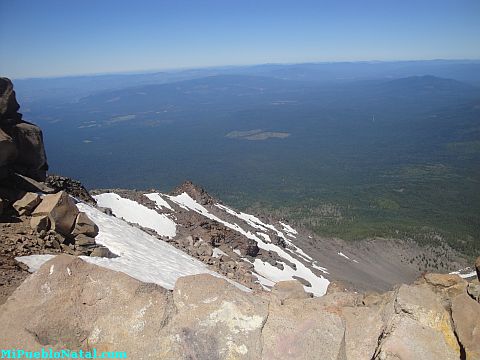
{"x":353,"y":150}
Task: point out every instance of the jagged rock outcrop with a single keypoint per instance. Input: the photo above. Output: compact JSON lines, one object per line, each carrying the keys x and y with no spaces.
{"x":208,"y":318}
{"x":21,"y":143}
{"x":196,"y":192}
{"x":8,"y":102}
{"x":71,"y":186}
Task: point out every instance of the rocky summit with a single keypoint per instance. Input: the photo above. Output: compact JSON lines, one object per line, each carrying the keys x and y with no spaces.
{"x":181,"y":275}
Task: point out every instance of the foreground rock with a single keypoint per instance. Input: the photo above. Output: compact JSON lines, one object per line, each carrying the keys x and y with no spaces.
{"x":214,"y":320}
{"x":72,"y":304}
{"x":466,"y":317}
{"x":303,"y":329}
{"x":87,"y":307}
{"x":420,"y":327}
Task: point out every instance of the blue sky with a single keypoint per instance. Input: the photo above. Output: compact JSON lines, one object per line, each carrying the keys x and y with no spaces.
{"x":66,"y":37}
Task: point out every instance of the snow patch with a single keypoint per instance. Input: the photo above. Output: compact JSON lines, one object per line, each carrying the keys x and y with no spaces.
{"x":288,"y":228}
{"x":155,"y":197}
{"x":322,"y":269}
{"x":34,"y":262}
{"x":136,"y":213}
{"x":464,"y":273}
{"x":217,"y":253}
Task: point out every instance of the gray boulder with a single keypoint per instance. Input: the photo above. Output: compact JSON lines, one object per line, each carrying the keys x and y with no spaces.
{"x":88,"y":307}
{"x":40,"y":223}
{"x":8,"y":150}
{"x":61,"y":211}
{"x":8,"y":102}
{"x":102,"y":251}
{"x":22,"y":149}
{"x":27,"y":203}
{"x":84,"y":240}
{"x":31,"y":160}
{"x":85,"y":226}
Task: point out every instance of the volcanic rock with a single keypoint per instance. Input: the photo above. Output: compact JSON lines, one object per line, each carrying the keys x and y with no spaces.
{"x":72,"y":187}
{"x":364,"y":326}
{"x":8,"y":150}
{"x":31,"y":160}
{"x":21,"y":143}
{"x":8,"y":102}
{"x":61,"y":210}
{"x":420,"y":327}
{"x":40,"y":223}
{"x":99,"y":308}
{"x":84,"y":240}
{"x":102,"y":251}
{"x":27,"y":203}
{"x":83,"y":225}
{"x":196,"y":192}
{"x":466,"y":317}
{"x":473,"y":289}
{"x":214,"y":320}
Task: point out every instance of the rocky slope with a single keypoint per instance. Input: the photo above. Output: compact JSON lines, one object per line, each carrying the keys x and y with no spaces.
{"x":204,"y":317}
{"x":262,"y":250}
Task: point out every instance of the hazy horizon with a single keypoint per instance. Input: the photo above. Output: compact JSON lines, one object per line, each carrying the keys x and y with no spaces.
{"x":179,"y":69}
{"x":58,"y":39}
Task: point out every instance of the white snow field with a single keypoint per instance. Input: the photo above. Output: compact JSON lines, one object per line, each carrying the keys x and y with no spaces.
{"x":155,"y":197}
{"x":136,"y":213}
{"x":141,"y":255}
